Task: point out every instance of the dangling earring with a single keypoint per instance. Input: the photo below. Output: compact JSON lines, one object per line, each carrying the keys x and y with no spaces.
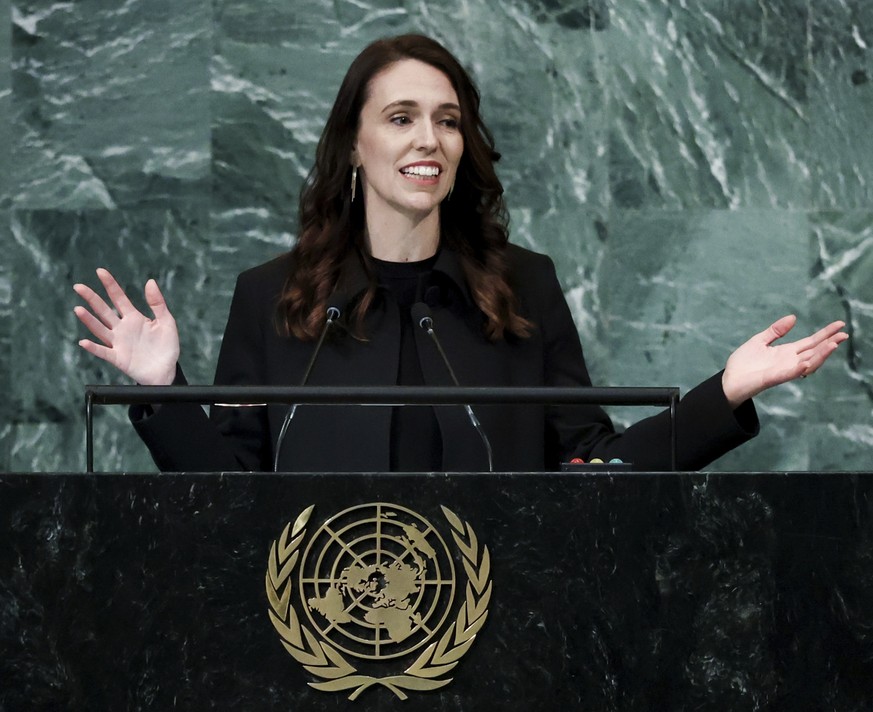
{"x":354,"y":181}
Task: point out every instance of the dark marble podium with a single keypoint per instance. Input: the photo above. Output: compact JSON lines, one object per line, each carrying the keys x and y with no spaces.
{"x":610,"y":591}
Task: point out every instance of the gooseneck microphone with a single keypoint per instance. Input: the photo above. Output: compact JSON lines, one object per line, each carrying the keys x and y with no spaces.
{"x":421,"y":315}
{"x":336,"y":304}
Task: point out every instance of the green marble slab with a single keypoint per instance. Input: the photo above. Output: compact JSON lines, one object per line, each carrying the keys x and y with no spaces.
{"x":5,"y":237}
{"x":111,"y":104}
{"x":6,"y":363}
{"x":841,"y":408}
{"x":682,"y":289}
{"x":5,"y":97}
{"x":707,"y":102}
{"x":841,"y":103}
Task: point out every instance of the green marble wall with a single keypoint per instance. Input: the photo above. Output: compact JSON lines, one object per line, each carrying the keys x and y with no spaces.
{"x":696,"y":167}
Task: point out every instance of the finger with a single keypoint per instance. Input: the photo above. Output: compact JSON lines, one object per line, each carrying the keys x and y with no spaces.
{"x":103,"y":311}
{"x":778,"y":329}
{"x":834,"y":339}
{"x":101,"y":352}
{"x":115,"y":292}
{"x":94,"y":325}
{"x":815,"y":358}
{"x":824,"y":334}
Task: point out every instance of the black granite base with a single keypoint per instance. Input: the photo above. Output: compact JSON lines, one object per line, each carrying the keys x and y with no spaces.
{"x":610,"y":592}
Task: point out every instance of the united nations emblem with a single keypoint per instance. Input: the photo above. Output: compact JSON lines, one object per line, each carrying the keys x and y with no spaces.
{"x":376,"y":584}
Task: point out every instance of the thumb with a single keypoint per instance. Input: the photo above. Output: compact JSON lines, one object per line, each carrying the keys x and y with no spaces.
{"x":155,"y":300}
{"x":779,"y":328}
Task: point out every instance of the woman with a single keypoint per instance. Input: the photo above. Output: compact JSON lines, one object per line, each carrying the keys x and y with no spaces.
{"x":403,"y":206}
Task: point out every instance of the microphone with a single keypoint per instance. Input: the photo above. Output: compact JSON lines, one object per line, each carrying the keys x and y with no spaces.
{"x":421,"y":314}
{"x":336,"y":304}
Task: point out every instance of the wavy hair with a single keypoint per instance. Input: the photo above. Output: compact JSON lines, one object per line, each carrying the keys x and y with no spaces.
{"x":473,"y":222}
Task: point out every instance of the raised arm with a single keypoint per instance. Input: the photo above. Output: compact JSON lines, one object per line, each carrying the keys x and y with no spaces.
{"x":144,"y":349}
{"x":759,"y":364}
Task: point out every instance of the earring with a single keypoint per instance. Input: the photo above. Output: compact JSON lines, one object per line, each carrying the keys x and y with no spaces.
{"x":354,"y":181}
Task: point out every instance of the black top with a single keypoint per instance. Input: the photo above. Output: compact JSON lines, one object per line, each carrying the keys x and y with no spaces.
{"x":416,"y":442}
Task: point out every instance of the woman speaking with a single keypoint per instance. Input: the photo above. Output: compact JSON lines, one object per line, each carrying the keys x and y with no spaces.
{"x":403,"y":215}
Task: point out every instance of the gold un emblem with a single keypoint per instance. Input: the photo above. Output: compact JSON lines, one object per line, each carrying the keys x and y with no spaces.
{"x":376,"y":583}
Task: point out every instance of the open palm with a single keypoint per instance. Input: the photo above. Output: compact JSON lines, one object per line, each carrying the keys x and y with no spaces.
{"x":145,"y":349}
{"x":759,"y":364}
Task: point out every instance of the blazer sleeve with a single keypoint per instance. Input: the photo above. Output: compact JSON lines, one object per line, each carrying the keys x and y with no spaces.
{"x":707,"y":427}
{"x":181,"y":437}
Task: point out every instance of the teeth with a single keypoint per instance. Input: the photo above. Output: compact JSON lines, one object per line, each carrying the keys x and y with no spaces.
{"x":421,"y":171}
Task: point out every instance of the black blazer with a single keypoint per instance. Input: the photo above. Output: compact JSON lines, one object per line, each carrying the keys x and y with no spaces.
{"x":356,"y":438}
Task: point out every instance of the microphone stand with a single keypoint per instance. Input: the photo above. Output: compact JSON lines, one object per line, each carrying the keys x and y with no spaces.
{"x":422,"y":314}
{"x":333,"y":313}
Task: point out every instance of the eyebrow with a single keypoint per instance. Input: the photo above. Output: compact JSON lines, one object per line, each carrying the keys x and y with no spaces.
{"x":409,"y":103}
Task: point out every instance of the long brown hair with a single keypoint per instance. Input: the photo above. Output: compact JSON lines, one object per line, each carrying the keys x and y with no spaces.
{"x":473,"y":221}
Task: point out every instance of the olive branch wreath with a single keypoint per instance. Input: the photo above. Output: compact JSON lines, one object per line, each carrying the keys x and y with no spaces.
{"x":324,"y":661}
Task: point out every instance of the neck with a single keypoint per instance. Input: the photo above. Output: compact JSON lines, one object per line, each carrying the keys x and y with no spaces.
{"x":400,"y":238}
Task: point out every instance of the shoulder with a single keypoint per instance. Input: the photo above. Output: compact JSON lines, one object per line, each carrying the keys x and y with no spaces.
{"x":269,"y":274}
{"x":521,"y":257}
{"x":259,"y":288}
{"x":534,"y":281}
{"x":265,"y":282}
{"x":529,"y":272}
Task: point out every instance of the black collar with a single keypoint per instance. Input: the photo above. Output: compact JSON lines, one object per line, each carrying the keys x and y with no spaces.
{"x":353,"y":279}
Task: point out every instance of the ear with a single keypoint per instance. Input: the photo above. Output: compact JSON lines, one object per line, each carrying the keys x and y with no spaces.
{"x":354,"y":160}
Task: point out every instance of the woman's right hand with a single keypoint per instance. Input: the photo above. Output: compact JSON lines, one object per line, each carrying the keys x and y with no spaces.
{"x":145,"y":349}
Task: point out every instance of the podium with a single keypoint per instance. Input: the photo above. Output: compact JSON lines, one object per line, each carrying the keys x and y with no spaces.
{"x":605,"y":591}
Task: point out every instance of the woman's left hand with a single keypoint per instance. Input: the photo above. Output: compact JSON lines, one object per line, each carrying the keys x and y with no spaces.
{"x":758,"y":365}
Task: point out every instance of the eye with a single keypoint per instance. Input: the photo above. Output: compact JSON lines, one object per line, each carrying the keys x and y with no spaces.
{"x":400,"y":120}
{"x":451,"y":122}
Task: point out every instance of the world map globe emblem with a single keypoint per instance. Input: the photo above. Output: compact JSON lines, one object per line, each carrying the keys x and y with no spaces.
{"x":377,"y":581}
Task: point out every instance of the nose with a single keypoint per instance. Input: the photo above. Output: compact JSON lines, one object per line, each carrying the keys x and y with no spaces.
{"x":425,"y":137}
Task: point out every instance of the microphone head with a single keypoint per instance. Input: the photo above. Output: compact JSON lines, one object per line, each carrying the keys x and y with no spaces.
{"x":336,"y":304}
{"x":421,"y":315}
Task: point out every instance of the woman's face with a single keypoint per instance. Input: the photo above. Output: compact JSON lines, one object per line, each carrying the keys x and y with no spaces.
{"x":409,"y":141}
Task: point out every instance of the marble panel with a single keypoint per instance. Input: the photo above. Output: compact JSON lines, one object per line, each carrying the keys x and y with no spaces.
{"x":5,"y":286}
{"x":52,"y":250}
{"x":568,"y":14}
{"x":841,"y":288}
{"x":841,"y":103}
{"x":111,"y":103}
{"x":5,"y":96}
{"x":707,"y":103}
{"x":681,"y":289}
{"x":544,"y":103}
{"x":6,"y":322}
